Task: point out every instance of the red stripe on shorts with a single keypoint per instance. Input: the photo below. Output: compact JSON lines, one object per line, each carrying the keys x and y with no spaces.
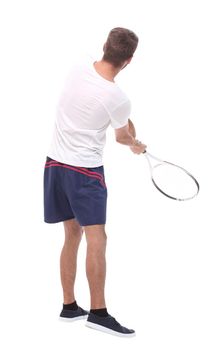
{"x":80,"y":170}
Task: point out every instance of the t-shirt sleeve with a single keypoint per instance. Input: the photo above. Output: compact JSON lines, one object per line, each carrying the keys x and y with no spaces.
{"x":119,"y":117}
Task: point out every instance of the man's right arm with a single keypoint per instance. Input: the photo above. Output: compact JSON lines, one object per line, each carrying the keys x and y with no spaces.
{"x":126,"y":136}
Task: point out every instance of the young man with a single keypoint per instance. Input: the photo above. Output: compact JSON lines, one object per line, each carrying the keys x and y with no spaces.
{"x":75,"y":192}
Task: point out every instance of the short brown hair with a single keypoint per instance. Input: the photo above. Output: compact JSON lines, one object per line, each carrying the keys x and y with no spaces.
{"x":120,"y":46}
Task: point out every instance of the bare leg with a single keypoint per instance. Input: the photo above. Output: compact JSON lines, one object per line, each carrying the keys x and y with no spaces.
{"x":96,"y":264}
{"x":68,"y":258}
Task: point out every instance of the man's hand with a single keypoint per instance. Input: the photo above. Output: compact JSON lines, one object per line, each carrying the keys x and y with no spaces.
{"x":138,"y":147}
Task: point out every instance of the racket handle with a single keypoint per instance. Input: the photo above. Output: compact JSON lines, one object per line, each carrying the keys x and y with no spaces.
{"x":144,"y":152}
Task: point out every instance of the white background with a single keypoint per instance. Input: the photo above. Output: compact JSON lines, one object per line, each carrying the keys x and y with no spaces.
{"x":160,"y":253}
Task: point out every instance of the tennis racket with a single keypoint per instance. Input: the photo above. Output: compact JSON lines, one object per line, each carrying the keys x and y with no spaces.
{"x":170,"y":179}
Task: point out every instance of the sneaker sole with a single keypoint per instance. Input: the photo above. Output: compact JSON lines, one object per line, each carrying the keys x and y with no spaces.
{"x":108,"y":330}
{"x":72,"y":319}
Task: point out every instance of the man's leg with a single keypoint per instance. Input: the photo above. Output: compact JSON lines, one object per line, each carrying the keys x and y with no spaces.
{"x":98,"y":317}
{"x":96,"y":264}
{"x":68,"y":258}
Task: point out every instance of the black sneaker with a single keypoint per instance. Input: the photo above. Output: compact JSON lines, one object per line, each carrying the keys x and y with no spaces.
{"x":109,"y":325}
{"x":71,"y":315}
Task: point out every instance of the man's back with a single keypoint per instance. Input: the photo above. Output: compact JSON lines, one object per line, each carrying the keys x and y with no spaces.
{"x":88,"y":104}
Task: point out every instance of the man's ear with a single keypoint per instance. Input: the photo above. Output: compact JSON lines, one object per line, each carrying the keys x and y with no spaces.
{"x":126,"y":62}
{"x":129,"y":60}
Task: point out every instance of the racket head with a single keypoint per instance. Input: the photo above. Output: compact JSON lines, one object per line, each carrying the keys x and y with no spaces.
{"x":174,"y":182}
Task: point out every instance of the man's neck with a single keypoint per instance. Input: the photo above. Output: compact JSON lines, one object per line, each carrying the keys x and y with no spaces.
{"x":106,"y":70}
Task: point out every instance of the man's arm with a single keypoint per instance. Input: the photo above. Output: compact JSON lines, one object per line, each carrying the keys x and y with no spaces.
{"x":124,"y":136}
{"x":127,"y":136}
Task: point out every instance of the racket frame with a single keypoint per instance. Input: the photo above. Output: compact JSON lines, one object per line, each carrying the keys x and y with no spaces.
{"x":161,"y":162}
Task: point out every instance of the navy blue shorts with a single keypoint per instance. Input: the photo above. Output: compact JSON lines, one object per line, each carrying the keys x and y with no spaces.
{"x":74,"y":192}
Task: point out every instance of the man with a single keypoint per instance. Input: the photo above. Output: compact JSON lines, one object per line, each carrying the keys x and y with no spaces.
{"x":75,"y":192}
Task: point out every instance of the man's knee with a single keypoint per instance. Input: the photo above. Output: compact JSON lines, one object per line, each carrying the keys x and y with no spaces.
{"x":72,"y":230}
{"x":95,"y":235}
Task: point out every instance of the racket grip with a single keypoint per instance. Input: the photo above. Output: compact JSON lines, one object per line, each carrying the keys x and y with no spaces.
{"x":144,"y":152}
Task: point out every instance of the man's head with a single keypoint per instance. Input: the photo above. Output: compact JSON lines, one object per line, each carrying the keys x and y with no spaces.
{"x":120,"y":47}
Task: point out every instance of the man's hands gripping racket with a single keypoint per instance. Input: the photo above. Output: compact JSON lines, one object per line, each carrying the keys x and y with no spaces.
{"x":138,"y":147}
{"x":170,"y":179}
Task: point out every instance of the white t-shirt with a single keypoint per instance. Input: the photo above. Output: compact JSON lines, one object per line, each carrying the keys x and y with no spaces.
{"x":87,"y":106}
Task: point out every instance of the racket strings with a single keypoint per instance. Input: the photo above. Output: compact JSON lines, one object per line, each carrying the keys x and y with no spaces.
{"x":174,"y":181}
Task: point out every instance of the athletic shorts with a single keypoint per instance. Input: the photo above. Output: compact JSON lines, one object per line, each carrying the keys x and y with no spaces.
{"x":74,"y":192}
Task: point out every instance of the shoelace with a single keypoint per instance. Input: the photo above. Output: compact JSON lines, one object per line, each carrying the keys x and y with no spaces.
{"x":116,"y":323}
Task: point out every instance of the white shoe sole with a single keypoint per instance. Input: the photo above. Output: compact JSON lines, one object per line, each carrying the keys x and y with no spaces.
{"x":72,"y":319}
{"x":108,"y":330}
